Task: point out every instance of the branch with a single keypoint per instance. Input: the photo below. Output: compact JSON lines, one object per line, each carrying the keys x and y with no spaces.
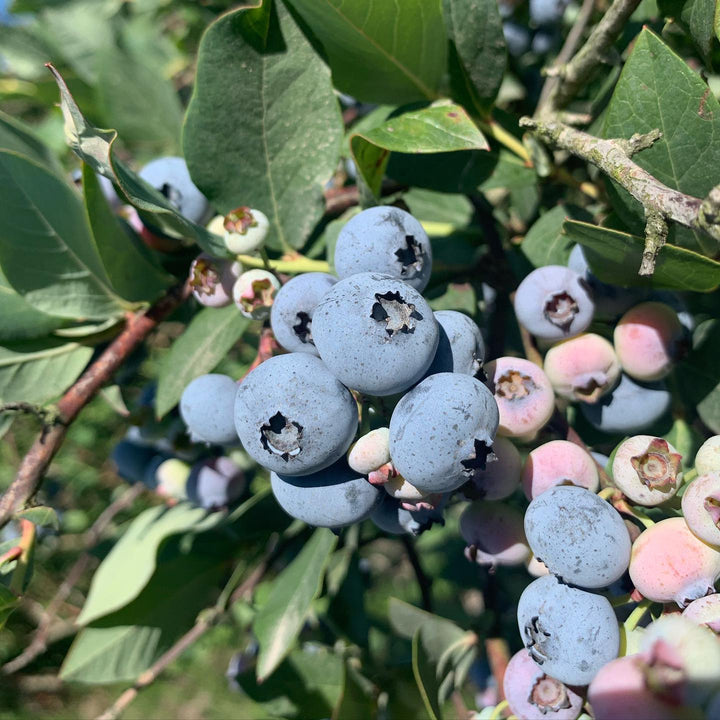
{"x":38,"y":458}
{"x":614,"y":157}
{"x":42,"y":636}
{"x":424,"y":581}
{"x":576,"y":73}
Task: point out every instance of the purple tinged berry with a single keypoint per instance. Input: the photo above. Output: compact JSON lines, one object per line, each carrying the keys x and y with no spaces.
{"x":501,"y":476}
{"x":253,"y":293}
{"x":701,"y":508}
{"x":212,"y":280}
{"x":558,"y":462}
{"x":207,"y":405}
{"x":494,"y":534}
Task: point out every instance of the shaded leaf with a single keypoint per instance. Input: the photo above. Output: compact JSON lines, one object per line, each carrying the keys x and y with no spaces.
{"x":424,"y":672}
{"x":36,"y":371}
{"x":433,"y":207}
{"x":435,"y":129}
{"x":358,"y":697}
{"x":477,"y":54}
{"x":205,"y":342}
{"x":120,"y":646}
{"x":545,"y":242}
{"x":40,"y":515}
{"x":697,"y":18}
{"x":16,"y":136}
{"x":615,"y":256}
{"x":378,"y":51}
{"x":95,"y":147}
{"x":657,"y":89}
{"x":133,"y":275}
{"x":133,"y":560}
{"x":279,"y":621}
{"x":41,"y":218}
{"x":288,"y":143}
{"x":8,"y":602}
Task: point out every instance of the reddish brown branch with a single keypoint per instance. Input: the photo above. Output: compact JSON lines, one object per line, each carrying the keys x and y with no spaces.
{"x":498,"y":657}
{"x":38,"y":458}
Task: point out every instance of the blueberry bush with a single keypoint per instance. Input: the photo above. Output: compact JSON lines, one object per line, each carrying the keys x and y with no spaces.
{"x":359,"y":359}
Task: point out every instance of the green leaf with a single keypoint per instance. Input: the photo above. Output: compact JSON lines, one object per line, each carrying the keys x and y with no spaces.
{"x":8,"y":602}
{"x":132,"y":273}
{"x":121,"y":646}
{"x":406,"y":619}
{"x":257,"y":65}
{"x":424,"y":672}
{"x":40,"y":515}
{"x":16,"y":136}
{"x":306,"y":686}
{"x":686,"y":440}
{"x":24,"y":51}
{"x":697,"y":18}
{"x":433,"y":207}
{"x":510,"y":173}
{"x":477,"y":54}
{"x":381,"y":52}
{"x":128,"y":567}
{"x":140,"y":102}
{"x":205,"y":342}
{"x":358,"y":697}
{"x":279,"y":621}
{"x":95,"y":147}
{"x":46,"y":251}
{"x":36,"y":371}
{"x":545,"y":242}
{"x":438,"y":128}
{"x":615,"y":257}
{"x":657,"y":89}
{"x":19,"y":320}
{"x":699,"y":374}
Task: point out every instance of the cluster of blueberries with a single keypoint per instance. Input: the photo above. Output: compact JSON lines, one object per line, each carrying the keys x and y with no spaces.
{"x":384,"y":409}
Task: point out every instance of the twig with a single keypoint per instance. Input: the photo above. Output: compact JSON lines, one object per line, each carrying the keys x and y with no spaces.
{"x":575,"y":74}
{"x":338,"y":200}
{"x":38,"y":458}
{"x":614,"y":157}
{"x":656,"y":232}
{"x":424,"y":582}
{"x":498,"y":656}
{"x":41,"y":638}
{"x":568,"y":50}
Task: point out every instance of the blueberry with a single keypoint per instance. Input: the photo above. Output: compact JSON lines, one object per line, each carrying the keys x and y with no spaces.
{"x":170,"y":176}
{"x":376,"y":334}
{"x":547,"y":12}
{"x":494,"y":534}
{"x":254,"y":293}
{"x":558,"y":462}
{"x":544,"y":40}
{"x":215,"y":482}
{"x":611,"y":301}
{"x":707,"y":459}
{"x":386,"y":240}
{"x":135,"y":462}
{"x":391,"y":517}
{"x":578,"y":535}
{"x":292,"y":311}
{"x":534,"y":695}
{"x":293,"y":416}
{"x":243,"y":229}
{"x":630,"y":408}
{"x":517,"y":38}
{"x":501,"y":477}
{"x":569,"y":633}
{"x":333,"y":497}
{"x":461,"y":347}
{"x":442,"y":431}
{"x":207,"y":407}
{"x":212,"y":280}
{"x":554,"y":303}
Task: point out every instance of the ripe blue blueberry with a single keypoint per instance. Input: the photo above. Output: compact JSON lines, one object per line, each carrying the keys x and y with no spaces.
{"x":580,"y":537}
{"x":442,"y":431}
{"x":547,"y":12}
{"x":391,"y":517}
{"x":569,"y":632}
{"x":292,"y":310}
{"x":333,"y":497}
{"x":630,"y":408}
{"x":517,"y":38}
{"x":293,"y":416}
{"x":461,"y":348}
{"x":554,"y":303}
{"x":376,"y":334}
{"x":135,"y":462}
{"x":386,"y":240}
{"x":207,"y":407}
{"x":170,"y":176}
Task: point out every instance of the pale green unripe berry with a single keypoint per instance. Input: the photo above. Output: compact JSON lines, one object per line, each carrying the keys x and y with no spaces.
{"x":243,"y":229}
{"x":254,"y":292}
{"x":707,"y":459}
{"x":172,"y":476}
{"x":371,"y":451}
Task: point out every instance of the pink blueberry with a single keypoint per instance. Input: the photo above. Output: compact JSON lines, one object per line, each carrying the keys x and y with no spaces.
{"x":501,"y":476}
{"x":533,"y":695}
{"x":494,"y":533}
{"x":669,"y":564}
{"x":523,"y":394}
{"x":701,"y":507}
{"x":583,"y":368}
{"x":647,"y":340}
{"x":371,"y":451}
{"x":647,"y":470}
{"x":253,"y":293}
{"x":707,"y":459}
{"x":558,"y":462}
{"x":705,"y":611}
{"x":212,"y":280}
